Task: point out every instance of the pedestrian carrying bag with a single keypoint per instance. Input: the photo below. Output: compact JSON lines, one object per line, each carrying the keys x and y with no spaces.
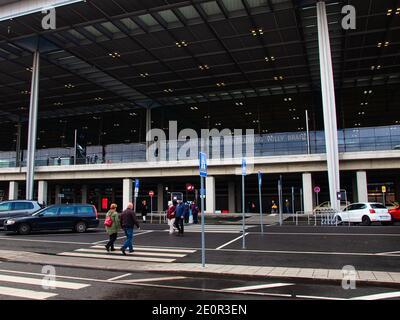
{"x":108,"y":222}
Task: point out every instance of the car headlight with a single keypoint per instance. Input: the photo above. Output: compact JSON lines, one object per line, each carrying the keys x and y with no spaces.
{"x":10,"y":222}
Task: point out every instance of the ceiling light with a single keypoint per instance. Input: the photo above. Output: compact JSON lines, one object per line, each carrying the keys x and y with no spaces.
{"x":258,"y":31}
{"x":248,"y":113}
{"x":98,"y":99}
{"x":69,"y":86}
{"x":276,"y":78}
{"x":389,"y":12}
{"x":114,"y":55}
{"x":168,"y":90}
{"x":203,"y":67}
{"x":272,"y":58}
{"x":181,"y":44}
{"x":207,"y":117}
{"x":25,"y":92}
{"x":221,"y":84}
{"x":29,"y":69}
{"x":58,"y":104}
{"x":361,"y":113}
{"x":194,"y":108}
{"x":133,"y":114}
{"x":144,"y":75}
{"x":239,"y":104}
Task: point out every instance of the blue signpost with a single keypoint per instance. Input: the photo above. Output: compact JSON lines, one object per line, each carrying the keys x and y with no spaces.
{"x":203,"y":175}
{"x":260,"y":199}
{"x":244,"y":167}
{"x":136,"y":193}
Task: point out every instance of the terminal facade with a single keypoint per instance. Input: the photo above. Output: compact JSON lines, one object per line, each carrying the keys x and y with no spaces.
{"x":316,"y":100}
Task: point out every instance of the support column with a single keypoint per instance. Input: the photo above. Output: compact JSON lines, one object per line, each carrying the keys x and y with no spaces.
{"x":329,"y":104}
{"x":42,"y":192}
{"x":57,"y":198}
{"x":13,"y":190}
{"x":160,"y":197}
{"x":362,"y":186}
{"x":127,"y":188}
{"x":210,"y":195}
{"x":231,"y":197}
{"x":32,"y":130}
{"x":84,"y":192}
{"x":308,"y":202}
{"x":148,"y":122}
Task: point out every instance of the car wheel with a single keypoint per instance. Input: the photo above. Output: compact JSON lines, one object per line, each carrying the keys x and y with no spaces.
{"x":24,"y":229}
{"x":366,"y":221}
{"x":80,"y":227}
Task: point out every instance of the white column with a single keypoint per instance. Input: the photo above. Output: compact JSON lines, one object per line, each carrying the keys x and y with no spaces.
{"x":210,"y":195}
{"x":127,"y":188}
{"x":13,"y":190}
{"x":42,"y":192}
{"x":362,"y":186}
{"x":160,"y":197}
{"x":231,"y":196}
{"x":329,"y":104}
{"x":32,"y":129}
{"x":308,"y":192}
{"x":84,"y":191}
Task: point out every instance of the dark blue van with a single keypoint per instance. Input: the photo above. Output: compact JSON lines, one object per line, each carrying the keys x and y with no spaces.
{"x":76,"y":217}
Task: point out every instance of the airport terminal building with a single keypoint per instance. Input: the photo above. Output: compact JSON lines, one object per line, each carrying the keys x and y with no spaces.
{"x":98,"y":93}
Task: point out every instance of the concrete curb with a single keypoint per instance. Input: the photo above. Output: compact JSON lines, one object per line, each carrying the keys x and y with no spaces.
{"x":192,"y":269}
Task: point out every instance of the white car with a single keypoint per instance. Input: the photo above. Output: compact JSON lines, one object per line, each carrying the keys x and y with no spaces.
{"x":365,"y":213}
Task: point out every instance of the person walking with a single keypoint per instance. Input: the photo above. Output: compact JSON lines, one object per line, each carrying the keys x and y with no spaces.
{"x":171,"y":216}
{"x":144,"y":210}
{"x":195,"y":213}
{"x":112,"y":225}
{"x":128,"y":222}
{"x":179,"y":217}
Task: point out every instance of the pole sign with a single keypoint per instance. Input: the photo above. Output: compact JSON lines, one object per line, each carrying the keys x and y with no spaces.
{"x":203,"y":164}
{"x":383,"y":189}
{"x":259,"y":178}
{"x":244,"y":166}
{"x":151,"y":194}
{"x":136,"y":188}
{"x":317,"y":189}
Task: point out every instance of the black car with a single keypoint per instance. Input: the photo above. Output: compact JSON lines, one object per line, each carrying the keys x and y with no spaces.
{"x":76,"y":217}
{"x":17,"y":208}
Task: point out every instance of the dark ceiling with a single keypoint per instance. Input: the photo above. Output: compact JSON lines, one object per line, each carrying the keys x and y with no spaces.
{"x":237,"y":63}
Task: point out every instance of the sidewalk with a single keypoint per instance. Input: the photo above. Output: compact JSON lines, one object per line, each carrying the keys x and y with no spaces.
{"x":253,"y":272}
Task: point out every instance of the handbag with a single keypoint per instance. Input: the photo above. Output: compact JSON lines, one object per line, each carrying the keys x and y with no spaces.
{"x":108,"y":222}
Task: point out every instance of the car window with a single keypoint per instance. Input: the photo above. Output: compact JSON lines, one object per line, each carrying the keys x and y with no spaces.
{"x":50,"y":212}
{"x":85,"y":210}
{"x":23,"y":206}
{"x":5,"y":206}
{"x":66,"y":211}
{"x":350,"y":207}
{"x":377,"y":206}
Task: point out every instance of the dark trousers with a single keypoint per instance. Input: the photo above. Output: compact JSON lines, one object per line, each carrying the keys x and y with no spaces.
{"x":179,"y":224}
{"x":113,"y":238}
{"x":195,"y":217}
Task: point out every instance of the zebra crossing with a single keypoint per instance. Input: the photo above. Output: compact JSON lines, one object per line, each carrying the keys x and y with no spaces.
{"x":8,"y":282}
{"x":215,"y":228}
{"x":141,"y":254}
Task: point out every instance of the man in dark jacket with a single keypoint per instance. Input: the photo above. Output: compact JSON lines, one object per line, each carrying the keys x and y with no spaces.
{"x":180,"y":216}
{"x":128,"y":221}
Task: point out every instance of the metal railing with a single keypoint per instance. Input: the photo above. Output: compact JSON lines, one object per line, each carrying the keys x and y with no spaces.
{"x":323,"y":217}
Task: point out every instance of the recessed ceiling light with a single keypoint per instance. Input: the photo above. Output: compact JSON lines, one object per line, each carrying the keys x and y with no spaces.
{"x":181,"y":44}
{"x":144,"y":75}
{"x":389,"y":12}
{"x":114,"y":55}
{"x":168,"y":90}
{"x":25,"y":92}
{"x":258,"y":31}
{"x":204,"y":67}
{"x":98,"y":99}
{"x":221,"y":84}
{"x":58,"y":104}
{"x":69,"y":86}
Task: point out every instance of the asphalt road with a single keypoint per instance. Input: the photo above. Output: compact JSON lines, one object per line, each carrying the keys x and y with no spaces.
{"x":26,"y":282}
{"x":372,"y":248}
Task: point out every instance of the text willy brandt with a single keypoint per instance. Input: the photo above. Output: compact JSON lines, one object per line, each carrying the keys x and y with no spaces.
{"x":206,"y":309}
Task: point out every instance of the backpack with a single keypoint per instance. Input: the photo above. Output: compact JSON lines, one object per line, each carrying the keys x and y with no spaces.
{"x":108,"y":222}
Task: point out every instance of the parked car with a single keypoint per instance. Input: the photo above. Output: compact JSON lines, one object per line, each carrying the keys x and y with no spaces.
{"x":327,"y":205}
{"x":395,"y":213}
{"x":76,"y":217}
{"x":17,"y":208}
{"x":365,"y":213}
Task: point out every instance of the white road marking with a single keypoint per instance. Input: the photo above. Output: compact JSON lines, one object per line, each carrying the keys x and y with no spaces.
{"x":379,"y":296}
{"x":39,"y":282}
{"x":153,"y":279}
{"x":232,"y":241}
{"x":27,"y":294}
{"x":388,"y":253}
{"x":119,"y":238}
{"x":261,"y":286}
{"x":318,"y":297}
{"x":112,"y":257}
{"x":331,"y":234}
{"x":157,"y":249}
{"x":119,"y":277}
{"x":44,"y":241}
{"x":153,"y":254}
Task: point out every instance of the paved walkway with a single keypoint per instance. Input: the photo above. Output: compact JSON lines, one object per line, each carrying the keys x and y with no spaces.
{"x":366,"y":277}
